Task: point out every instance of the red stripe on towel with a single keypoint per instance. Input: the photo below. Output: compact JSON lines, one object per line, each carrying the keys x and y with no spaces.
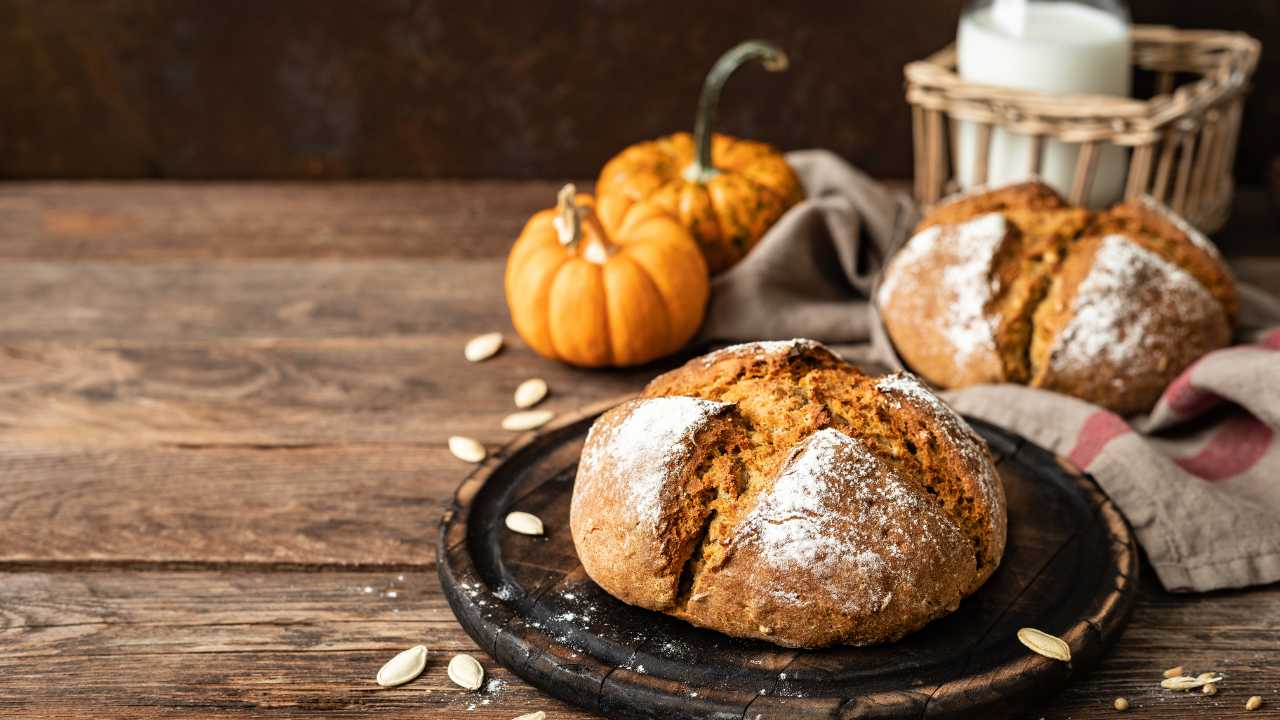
{"x":1099,"y":429}
{"x":1271,"y":339}
{"x":1185,"y":399}
{"x":1234,"y":448}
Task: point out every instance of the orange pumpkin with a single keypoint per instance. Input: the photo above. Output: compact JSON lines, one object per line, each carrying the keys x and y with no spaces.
{"x":610,"y":283}
{"x":726,"y":191}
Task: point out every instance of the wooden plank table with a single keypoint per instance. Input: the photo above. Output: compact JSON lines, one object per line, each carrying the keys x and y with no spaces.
{"x":223,"y":413}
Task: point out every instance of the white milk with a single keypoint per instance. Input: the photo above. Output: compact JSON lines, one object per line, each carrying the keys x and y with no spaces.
{"x":1055,"y":47}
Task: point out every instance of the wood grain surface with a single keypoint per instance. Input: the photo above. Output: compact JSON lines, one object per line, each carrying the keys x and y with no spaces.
{"x":214,"y":437}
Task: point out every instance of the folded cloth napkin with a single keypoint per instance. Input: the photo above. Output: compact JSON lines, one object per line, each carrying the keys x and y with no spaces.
{"x":1198,"y":478}
{"x":811,"y":273}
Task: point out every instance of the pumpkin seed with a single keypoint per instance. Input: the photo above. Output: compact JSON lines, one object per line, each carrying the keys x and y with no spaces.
{"x":403,"y":667}
{"x":538,"y":715}
{"x":524,"y":523}
{"x":1253,"y":703}
{"x":1209,"y":689}
{"x":527,"y":419}
{"x":1185,"y":682}
{"x":483,"y":347}
{"x":1042,"y":643}
{"x":1178,"y":682}
{"x":1173,"y":671}
{"x":530,"y":393}
{"x":466,"y":449}
{"x":1121,"y":704}
{"x":465,"y":671}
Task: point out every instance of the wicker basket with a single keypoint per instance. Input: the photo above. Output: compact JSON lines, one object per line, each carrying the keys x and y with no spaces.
{"x":1183,"y":140}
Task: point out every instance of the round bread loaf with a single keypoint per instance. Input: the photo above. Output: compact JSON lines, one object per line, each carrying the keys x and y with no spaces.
{"x":1015,"y":285}
{"x":772,"y":491}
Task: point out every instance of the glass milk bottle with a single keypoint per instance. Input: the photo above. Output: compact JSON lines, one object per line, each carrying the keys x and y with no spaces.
{"x":1059,"y":47}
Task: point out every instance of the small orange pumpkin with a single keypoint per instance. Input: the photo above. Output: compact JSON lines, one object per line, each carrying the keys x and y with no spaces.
{"x":614,"y":282}
{"x":726,"y":191}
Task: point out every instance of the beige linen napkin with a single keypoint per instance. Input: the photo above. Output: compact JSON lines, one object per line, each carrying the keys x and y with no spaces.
{"x":1198,"y":478}
{"x":811,"y":274}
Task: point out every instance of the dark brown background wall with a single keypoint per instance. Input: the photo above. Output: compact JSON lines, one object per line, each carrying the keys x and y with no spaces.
{"x":473,"y":88}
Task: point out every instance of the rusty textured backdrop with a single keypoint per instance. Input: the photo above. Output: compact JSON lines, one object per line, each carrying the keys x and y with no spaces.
{"x":475,"y":88}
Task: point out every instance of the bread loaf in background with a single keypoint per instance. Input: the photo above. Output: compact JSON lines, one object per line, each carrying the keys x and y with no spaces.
{"x":1016,"y":285}
{"x":772,"y":491}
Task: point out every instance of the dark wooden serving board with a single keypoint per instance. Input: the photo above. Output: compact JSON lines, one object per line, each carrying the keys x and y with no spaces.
{"x":1070,"y":569}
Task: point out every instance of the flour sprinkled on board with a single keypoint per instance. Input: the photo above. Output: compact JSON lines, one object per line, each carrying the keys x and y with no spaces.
{"x":650,"y":445}
{"x":970,"y":250}
{"x":1106,"y":323}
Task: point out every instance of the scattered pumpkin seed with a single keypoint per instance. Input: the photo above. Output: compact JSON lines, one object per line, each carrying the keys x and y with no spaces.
{"x":527,"y":419}
{"x":1209,"y":689}
{"x":1173,"y":671}
{"x":1121,"y":704}
{"x":537,"y":715}
{"x":466,"y":449}
{"x":1253,"y":703}
{"x":465,"y":671}
{"x":524,"y":523}
{"x":403,"y":667}
{"x":1185,"y":682}
{"x":1205,"y":676}
{"x":530,"y":393}
{"x":483,"y":347}
{"x":1042,"y":643}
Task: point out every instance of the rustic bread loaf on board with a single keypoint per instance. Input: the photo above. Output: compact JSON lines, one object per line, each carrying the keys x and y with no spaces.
{"x":771,"y":490}
{"x":1015,"y":285}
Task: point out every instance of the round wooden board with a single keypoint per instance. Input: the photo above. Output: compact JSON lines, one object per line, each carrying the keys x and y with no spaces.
{"x":1070,"y":569}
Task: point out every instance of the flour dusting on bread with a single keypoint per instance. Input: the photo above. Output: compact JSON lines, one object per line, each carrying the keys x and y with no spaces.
{"x":650,"y":446}
{"x":1106,"y":323}
{"x":909,"y":385}
{"x":804,"y":522}
{"x":760,"y":349}
{"x":966,"y":280}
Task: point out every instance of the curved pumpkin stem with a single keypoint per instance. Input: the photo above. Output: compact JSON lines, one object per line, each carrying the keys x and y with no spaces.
{"x":569,"y":219}
{"x":769,"y":55}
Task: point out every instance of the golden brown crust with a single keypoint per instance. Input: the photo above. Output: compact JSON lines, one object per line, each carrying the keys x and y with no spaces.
{"x":1155,"y":228}
{"x":833,"y":507}
{"x":1031,"y":197}
{"x":943,"y":282}
{"x":954,"y":462}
